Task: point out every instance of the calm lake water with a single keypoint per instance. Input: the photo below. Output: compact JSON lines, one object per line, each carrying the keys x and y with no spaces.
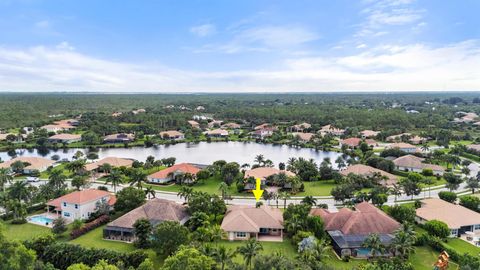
{"x":201,"y":153}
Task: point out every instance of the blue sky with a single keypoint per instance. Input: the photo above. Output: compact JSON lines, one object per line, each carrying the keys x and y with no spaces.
{"x":239,"y":46}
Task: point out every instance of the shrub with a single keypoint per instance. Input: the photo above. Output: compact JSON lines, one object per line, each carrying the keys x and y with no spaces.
{"x":470,"y":202}
{"x":402,"y":213}
{"x":437,"y":228}
{"x":427,"y":172}
{"x":447,"y":196}
{"x":89,"y":226}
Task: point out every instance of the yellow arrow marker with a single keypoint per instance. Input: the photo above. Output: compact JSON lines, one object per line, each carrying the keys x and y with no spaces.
{"x":257,"y":192}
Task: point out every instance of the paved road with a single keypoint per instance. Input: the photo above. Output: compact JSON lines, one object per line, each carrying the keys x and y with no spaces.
{"x":474,"y":167}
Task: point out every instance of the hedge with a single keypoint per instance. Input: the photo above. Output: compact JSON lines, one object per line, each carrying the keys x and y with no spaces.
{"x":101,"y":220}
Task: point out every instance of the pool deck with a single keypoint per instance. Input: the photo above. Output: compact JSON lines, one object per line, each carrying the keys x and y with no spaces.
{"x":47,"y":215}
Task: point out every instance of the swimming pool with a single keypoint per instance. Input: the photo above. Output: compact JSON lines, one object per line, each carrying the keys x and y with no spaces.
{"x":41,"y":220}
{"x":363,"y":252}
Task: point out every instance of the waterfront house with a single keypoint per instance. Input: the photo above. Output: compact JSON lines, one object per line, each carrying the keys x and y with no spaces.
{"x":65,"y":138}
{"x":304,"y":137}
{"x":349,"y":228}
{"x":300,"y":127}
{"x":411,"y":163}
{"x":156,"y":211}
{"x":194,"y":124}
{"x":369,"y":133}
{"x":31,"y":164}
{"x":171,"y":173}
{"x":119,"y":138}
{"x":355,"y":142}
{"x":80,"y":204}
{"x":216,"y":133}
{"x":172,"y":135}
{"x":368,"y":171}
{"x":113,"y":161}
{"x":330,"y":129}
{"x":461,"y":221}
{"x":245,"y":222}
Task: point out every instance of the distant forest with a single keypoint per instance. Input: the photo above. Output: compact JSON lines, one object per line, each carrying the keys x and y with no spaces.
{"x":361,"y":110}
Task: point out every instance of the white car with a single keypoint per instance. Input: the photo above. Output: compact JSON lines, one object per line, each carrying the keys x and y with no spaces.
{"x":32,"y":179}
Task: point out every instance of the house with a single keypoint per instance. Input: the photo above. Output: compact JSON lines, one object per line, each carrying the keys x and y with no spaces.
{"x":329,"y":129}
{"x":216,"y":133}
{"x":65,"y":138}
{"x":262,"y":133}
{"x":156,"y":211}
{"x":231,"y":125}
{"x":264,"y":126}
{"x":466,"y":117}
{"x":200,"y":108}
{"x":349,"y":228}
{"x":304,"y":137}
{"x":80,"y":204}
{"x":474,"y":147}
{"x":263,"y":173}
{"x":411,"y":163}
{"x":245,"y":222}
{"x":460,"y":220}
{"x":300,"y":127}
{"x":116,"y":114}
{"x":415,"y":139}
{"x":113,"y":161}
{"x":172,"y":135}
{"x":68,"y":122}
{"x":194,"y":124}
{"x":367,"y":171}
{"x":405,"y":147}
{"x":15,"y":137}
{"x":355,"y":142}
{"x":56,"y":128}
{"x":170,"y":173}
{"x":138,"y":111}
{"x":214,"y":123}
{"x":369,"y":134}
{"x":31,"y":164}
{"x":119,"y":138}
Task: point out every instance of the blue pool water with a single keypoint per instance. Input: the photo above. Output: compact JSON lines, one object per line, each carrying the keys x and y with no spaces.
{"x":363,"y":252}
{"x":41,"y":219}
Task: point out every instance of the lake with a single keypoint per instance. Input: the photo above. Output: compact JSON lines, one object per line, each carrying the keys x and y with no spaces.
{"x":201,"y":153}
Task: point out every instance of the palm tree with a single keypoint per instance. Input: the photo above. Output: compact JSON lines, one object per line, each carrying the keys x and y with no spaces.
{"x":149,"y":191}
{"x":217,"y":233}
{"x":138,"y":177}
{"x":57,"y":179}
{"x":396,"y":191}
{"x":425,"y":147}
{"x":374,"y":243}
{"x":105,"y":167}
{"x":284,"y":196}
{"x":19,"y":191}
{"x":76,"y":166}
{"x":310,"y":200}
{"x":260,"y":160}
{"x":274,"y":196}
{"x":185,"y":192}
{"x":5,"y":177}
{"x":249,"y":251}
{"x":403,"y":241}
{"x":224,"y":256}
{"x":115,"y":177}
{"x":224,"y":188}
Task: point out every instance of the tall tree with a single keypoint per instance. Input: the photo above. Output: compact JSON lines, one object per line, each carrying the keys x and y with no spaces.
{"x":249,"y":251}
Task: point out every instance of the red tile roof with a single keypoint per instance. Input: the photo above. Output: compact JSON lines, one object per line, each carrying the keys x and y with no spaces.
{"x":83,"y":196}
{"x":182,"y":167}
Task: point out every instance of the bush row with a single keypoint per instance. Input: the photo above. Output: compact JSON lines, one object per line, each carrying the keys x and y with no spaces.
{"x":101,"y":220}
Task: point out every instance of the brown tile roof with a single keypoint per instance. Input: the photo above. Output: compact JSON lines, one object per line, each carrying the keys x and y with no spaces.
{"x":217,"y":131}
{"x":401,"y":145}
{"x":36,"y":163}
{"x":240,"y":218}
{"x":412,"y":161}
{"x":232,"y":125}
{"x":366,"y":219}
{"x":82,"y":196}
{"x":366,"y":170}
{"x":66,"y":136}
{"x":354,"y":142}
{"x":304,"y":136}
{"x":369,"y":133}
{"x":181,"y":167}
{"x":455,"y":216}
{"x":156,"y":211}
{"x":119,"y":136}
{"x":194,"y":124}
{"x":171,"y":133}
{"x":114,"y":161}
{"x":475,"y":147}
{"x":264,"y":172}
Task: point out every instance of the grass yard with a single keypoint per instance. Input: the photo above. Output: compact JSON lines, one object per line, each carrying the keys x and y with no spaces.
{"x":317,"y":188}
{"x":25,"y":231}
{"x":463,"y":247}
{"x":210,"y":186}
{"x":95,"y":239}
{"x":424,"y":258}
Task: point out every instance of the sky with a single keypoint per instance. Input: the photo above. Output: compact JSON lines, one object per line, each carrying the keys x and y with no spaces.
{"x":239,"y":45}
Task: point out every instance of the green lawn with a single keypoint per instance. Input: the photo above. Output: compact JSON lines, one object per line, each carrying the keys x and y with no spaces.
{"x":317,"y":188}
{"x":95,"y":239}
{"x":24,"y":231}
{"x":210,"y":186}
{"x":463,"y":247}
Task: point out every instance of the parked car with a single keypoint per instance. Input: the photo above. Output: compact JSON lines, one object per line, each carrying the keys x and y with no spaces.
{"x":31,"y":179}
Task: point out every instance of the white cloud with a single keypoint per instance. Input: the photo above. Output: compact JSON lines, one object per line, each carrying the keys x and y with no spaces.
{"x":263,"y":39}
{"x":65,"y":46}
{"x":203,"y":30}
{"x":382,"y":68}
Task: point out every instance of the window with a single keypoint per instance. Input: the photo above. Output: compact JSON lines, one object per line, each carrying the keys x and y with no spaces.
{"x":66,"y":214}
{"x":76,"y":206}
{"x":241,"y":234}
{"x":476,"y":227}
{"x":65,"y":204}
